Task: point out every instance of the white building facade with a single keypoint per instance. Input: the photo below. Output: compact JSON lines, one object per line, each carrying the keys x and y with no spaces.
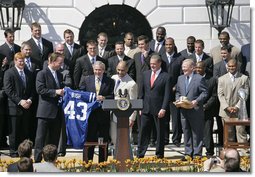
{"x":181,"y":18}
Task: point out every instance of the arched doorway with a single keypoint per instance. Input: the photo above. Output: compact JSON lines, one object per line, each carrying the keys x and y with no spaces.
{"x":115,"y":20}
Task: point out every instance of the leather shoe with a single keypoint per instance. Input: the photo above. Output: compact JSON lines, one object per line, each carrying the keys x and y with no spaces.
{"x":186,"y":158}
{"x":177,"y":144}
{"x":13,"y":155}
{"x":61,"y":154}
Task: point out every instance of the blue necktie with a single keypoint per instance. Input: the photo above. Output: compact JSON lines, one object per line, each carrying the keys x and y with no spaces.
{"x":23,"y":78}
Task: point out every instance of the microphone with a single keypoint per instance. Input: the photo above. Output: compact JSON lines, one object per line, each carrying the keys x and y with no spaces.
{"x":125,"y":93}
{"x":120,"y":93}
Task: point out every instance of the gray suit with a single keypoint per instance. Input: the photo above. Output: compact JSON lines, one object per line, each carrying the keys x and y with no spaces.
{"x":46,"y":167}
{"x":192,"y":119}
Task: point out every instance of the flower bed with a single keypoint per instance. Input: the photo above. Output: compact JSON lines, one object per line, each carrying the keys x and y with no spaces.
{"x":148,"y":164}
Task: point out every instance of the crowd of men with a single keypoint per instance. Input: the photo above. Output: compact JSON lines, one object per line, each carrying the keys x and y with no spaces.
{"x":34,"y":74}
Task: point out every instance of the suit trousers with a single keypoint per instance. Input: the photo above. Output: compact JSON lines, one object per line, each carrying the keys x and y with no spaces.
{"x":208,"y":134}
{"x":98,"y":126}
{"x":193,"y":131}
{"x":50,"y":127}
{"x":176,"y":123}
{"x":144,"y":134}
{"x":18,"y":130}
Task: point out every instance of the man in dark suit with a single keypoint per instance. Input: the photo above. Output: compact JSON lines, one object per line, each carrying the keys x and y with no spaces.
{"x":186,"y":53}
{"x":103,"y":50}
{"x":3,"y":107}
{"x":211,"y":108}
{"x":9,"y":48}
{"x":83,"y":65}
{"x":192,"y":86}
{"x":19,"y":88}
{"x":155,"y":92}
{"x":113,"y":61}
{"x":173,"y":62}
{"x":72,"y":51}
{"x":41,"y":47}
{"x":157,"y":44}
{"x":200,"y":55}
{"x":99,"y":120}
{"x":49,"y":86}
{"x":142,"y":63}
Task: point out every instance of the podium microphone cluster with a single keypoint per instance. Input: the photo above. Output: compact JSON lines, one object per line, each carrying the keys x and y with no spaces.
{"x":124,"y":95}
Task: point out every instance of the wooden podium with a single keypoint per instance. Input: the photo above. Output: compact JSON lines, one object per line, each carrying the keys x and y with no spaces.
{"x":123,"y":147}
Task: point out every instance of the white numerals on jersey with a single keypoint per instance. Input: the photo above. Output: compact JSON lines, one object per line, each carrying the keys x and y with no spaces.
{"x":69,"y":109}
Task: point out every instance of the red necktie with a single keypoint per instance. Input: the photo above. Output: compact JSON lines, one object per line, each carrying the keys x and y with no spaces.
{"x":153,"y":77}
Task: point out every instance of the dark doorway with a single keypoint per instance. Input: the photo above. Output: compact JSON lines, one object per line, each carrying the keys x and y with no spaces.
{"x":115,"y":20}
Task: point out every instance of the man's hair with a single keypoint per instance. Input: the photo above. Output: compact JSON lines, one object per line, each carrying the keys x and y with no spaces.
{"x":99,"y":63}
{"x":232,"y":165}
{"x":191,"y":37}
{"x":200,"y":41}
{"x":102,"y":34}
{"x":49,"y":153}
{"x":68,"y":31}
{"x":227,"y":48}
{"x":143,"y":37}
{"x":25,"y":148}
{"x":53,"y":57}
{"x":24,"y":44}
{"x":91,"y":42}
{"x":130,"y":34}
{"x":157,"y":57}
{"x":8,"y":31}
{"x":35,"y":25}
{"x":225,"y":33}
{"x":119,"y":43}
{"x":190,"y":61}
{"x":19,"y":55}
{"x":25,"y":164}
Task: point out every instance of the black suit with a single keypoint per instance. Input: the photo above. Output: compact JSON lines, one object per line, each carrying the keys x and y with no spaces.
{"x":48,"y":121}
{"x":70,"y":59}
{"x":108,"y":52}
{"x":154,"y":99}
{"x":15,"y":90}
{"x":83,"y":67}
{"x":3,"y":111}
{"x":208,"y":63}
{"x":174,"y":70}
{"x":99,"y":120}
{"x":152,"y":47}
{"x":113,"y":62}
{"x":36,"y":53}
{"x":6,"y":51}
{"x":211,"y":109}
{"x":185,"y":53}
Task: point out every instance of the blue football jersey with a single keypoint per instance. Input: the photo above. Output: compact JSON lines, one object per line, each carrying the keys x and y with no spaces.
{"x":77,"y":107}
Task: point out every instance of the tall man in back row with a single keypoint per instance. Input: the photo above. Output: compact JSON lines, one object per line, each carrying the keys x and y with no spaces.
{"x":192,"y":86}
{"x":154,"y":90}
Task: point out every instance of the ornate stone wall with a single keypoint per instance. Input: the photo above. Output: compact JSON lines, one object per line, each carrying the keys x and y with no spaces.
{"x":181,"y":18}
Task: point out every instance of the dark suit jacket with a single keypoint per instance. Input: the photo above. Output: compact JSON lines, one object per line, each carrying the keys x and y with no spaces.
{"x":13,"y":167}
{"x":174,"y":70}
{"x":107,"y":86}
{"x":219,"y":69}
{"x":70,"y":60}
{"x":15,"y":90}
{"x":45,"y":87}
{"x":197,"y":89}
{"x":152,"y":46}
{"x":211,"y":104}
{"x":47,"y":49}
{"x":83,"y":67}
{"x":113,"y":62}
{"x":185,"y":54}
{"x":6,"y":51}
{"x":208,"y":63}
{"x":139,"y":67}
{"x":157,"y":97}
{"x":108,"y":52}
